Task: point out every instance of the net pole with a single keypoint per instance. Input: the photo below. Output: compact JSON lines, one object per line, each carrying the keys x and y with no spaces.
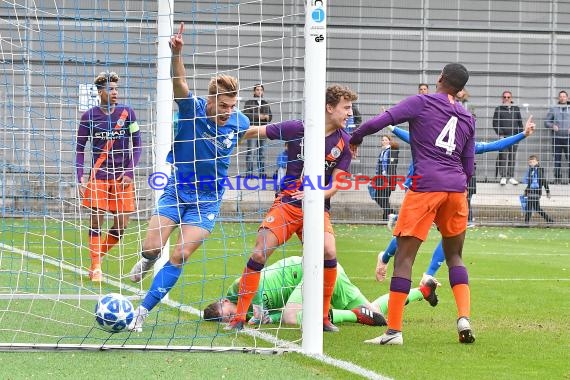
{"x":314,"y":152}
{"x":164,"y":108}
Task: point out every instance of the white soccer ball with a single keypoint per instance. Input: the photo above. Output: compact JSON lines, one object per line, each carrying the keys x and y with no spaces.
{"x":114,"y":312}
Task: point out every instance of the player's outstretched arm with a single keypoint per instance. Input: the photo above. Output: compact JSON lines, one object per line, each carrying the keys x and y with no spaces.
{"x":369,"y":127}
{"x":259,"y":132}
{"x":529,"y":127}
{"x":179,"y":84}
{"x":401,"y":133}
{"x":501,"y":144}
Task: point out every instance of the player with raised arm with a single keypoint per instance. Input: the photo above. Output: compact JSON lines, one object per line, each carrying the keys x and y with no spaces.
{"x":442,"y":139}
{"x":208,"y":131}
{"x":438,"y":257}
{"x":285,"y":217}
{"x":111,"y":127}
{"x":280,"y":299}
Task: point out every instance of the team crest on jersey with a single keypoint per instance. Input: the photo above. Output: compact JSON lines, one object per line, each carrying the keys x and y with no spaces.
{"x":121,"y":122}
{"x":270,"y":219}
{"x":335,"y":152}
{"x":228,"y":140}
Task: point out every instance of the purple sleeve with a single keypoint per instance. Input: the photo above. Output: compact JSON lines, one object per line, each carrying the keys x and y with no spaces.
{"x":286,"y":130}
{"x":137,"y":151}
{"x":82,"y":137}
{"x":406,"y":110}
{"x":370,"y":127}
{"x":468,"y":158}
{"x":132,"y":115}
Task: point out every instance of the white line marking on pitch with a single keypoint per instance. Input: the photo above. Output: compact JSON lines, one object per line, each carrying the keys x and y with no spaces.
{"x":484,"y":279}
{"x":347,"y":366}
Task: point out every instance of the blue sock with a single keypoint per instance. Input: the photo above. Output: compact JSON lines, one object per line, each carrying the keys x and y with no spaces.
{"x":390,"y":250}
{"x":161,"y":285}
{"x":437,"y":259}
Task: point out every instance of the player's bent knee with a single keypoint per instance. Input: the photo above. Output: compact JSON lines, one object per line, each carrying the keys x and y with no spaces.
{"x":260,"y":256}
{"x":181,"y":256}
{"x":289,"y":316}
{"x":330,"y":254}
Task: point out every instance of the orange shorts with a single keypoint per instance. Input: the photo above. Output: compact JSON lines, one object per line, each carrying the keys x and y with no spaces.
{"x":419,"y":210}
{"x":109,"y":196}
{"x":284,"y":220}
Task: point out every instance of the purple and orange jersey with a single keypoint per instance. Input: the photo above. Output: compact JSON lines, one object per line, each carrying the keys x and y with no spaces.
{"x":119,"y":127}
{"x":337,"y":152}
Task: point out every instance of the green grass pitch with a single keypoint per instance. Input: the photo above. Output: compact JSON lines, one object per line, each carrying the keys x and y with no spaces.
{"x":520,"y":286}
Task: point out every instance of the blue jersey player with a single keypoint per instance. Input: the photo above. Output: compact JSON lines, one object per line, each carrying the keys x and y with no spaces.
{"x":208,"y":131}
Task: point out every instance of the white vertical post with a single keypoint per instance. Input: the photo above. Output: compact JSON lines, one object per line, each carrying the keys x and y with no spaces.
{"x":314,"y":151}
{"x":163,"y":131}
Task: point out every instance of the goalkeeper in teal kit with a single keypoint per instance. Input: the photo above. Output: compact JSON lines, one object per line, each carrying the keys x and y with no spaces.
{"x":279,"y":299}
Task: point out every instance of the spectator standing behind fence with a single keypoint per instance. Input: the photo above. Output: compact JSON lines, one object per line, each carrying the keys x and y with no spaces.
{"x":507,"y":121}
{"x":386,"y":167}
{"x":535,"y":181}
{"x":259,"y":113}
{"x":463,"y":97}
{"x":558,"y":119}
{"x":423,"y":88}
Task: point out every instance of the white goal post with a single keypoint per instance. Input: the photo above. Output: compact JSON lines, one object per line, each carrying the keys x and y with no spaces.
{"x":49,"y":58}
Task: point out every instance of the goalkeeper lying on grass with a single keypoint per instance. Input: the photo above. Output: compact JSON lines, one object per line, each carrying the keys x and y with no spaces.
{"x":279,"y":298}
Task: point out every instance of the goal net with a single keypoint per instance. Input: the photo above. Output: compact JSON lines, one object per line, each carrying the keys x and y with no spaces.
{"x":50,"y":53}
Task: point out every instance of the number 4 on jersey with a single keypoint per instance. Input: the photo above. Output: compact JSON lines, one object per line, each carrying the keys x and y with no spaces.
{"x":448,"y":133}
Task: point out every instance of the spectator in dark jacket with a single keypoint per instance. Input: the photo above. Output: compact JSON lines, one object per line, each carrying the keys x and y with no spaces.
{"x":535,"y":181}
{"x":259,"y":113}
{"x":507,"y":121}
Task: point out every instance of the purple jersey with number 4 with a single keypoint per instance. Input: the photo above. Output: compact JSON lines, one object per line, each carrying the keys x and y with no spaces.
{"x":442,"y":139}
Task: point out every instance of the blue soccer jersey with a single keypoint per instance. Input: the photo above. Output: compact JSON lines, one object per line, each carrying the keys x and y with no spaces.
{"x":201,"y":151}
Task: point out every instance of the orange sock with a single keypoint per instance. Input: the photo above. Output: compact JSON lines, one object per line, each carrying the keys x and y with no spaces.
{"x":248,"y":284}
{"x":110,"y":241}
{"x":462,"y":296}
{"x":329,"y":280}
{"x":396,"y":303}
{"x":95,"y":250}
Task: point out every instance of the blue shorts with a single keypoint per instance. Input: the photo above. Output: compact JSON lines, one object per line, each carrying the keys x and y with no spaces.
{"x":201,"y":212}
